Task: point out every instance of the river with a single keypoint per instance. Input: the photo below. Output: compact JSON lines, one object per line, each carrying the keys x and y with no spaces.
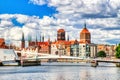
{"x":61,"y":72}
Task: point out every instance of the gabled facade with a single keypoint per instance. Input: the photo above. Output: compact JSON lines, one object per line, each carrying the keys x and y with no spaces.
{"x":61,"y":48}
{"x":44,"y":47}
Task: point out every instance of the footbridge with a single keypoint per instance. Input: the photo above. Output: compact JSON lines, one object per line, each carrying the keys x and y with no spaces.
{"x":34,"y":57}
{"x":95,"y":62}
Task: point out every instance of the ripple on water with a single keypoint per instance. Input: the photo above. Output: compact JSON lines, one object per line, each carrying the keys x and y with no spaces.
{"x":59,"y":73}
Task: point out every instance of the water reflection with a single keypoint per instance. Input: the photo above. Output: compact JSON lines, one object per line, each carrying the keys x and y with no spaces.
{"x":60,"y":73}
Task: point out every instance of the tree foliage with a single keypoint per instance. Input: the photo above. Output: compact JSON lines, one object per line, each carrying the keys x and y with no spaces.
{"x":117,"y":51}
{"x":101,"y":54}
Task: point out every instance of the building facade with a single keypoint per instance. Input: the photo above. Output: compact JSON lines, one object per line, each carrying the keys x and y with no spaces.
{"x":108,"y":49}
{"x":2,"y":43}
{"x":74,"y":48}
{"x":61,"y":46}
{"x":85,"y":40}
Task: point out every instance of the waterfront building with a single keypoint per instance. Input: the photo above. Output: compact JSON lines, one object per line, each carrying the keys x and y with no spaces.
{"x":42,"y":46}
{"x":2,"y":43}
{"x":61,"y":46}
{"x":74,"y":48}
{"x":93,"y":50}
{"x":82,"y":48}
{"x":108,"y":49}
{"x":54,"y":48}
{"x":85,"y":40}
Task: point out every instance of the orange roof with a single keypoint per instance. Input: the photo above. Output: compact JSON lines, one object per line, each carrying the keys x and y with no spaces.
{"x":85,"y":30}
{"x":84,"y":41}
{"x":74,"y":41}
{"x":43,"y":43}
{"x":1,"y":40}
{"x":62,"y":42}
{"x":61,"y":30}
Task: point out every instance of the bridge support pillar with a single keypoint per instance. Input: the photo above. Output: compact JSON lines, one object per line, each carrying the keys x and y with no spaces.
{"x":94,"y":63}
{"x":117,"y":64}
{"x":1,"y":64}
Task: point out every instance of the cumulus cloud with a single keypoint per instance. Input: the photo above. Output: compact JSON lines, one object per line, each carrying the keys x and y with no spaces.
{"x":102,"y":18}
{"x":41,"y":2}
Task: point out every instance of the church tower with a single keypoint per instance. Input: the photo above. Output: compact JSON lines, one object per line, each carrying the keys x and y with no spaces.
{"x":61,"y":34}
{"x":85,"y":36}
{"x":22,"y":41}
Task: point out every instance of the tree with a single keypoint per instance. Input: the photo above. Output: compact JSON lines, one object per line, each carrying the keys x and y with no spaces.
{"x":117,"y":55}
{"x":101,"y":54}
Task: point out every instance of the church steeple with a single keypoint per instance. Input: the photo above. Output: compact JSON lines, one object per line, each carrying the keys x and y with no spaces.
{"x":85,"y":25}
{"x":36,"y":40}
{"x":40,"y":37}
{"x":43,"y":38}
{"x":23,"y":41}
{"x":85,"y":36}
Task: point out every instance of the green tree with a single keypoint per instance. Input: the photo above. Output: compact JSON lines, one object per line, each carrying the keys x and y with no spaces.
{"x":117,"y":51}
{"x":101,"y":54}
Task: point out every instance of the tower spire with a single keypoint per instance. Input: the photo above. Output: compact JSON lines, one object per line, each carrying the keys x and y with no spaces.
{"x":43,"y":38}
{"x":85,"y":24}
{"x":36,"y":40}
{"x":29,"y":40}
{"x":40,"y":37}
{"x":23,"y":41}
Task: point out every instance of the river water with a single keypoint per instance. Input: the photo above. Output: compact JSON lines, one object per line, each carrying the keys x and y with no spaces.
{"x":61,"y":72}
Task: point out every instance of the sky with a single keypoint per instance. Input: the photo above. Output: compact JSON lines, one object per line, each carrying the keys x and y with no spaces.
{"x":45,"y":17}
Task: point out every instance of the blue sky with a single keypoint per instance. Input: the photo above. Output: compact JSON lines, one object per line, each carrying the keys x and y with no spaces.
{"x":45,"y":17}
{"x":26,"y":8}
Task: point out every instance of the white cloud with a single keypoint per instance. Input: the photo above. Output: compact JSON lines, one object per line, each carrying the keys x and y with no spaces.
{"x":5,"y":16}
{"x":22,"y":18}
{"x":41,"y":2}
{"x":5,"y":23}
{"x":100,"y":16}
{"x":115,"y":4}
